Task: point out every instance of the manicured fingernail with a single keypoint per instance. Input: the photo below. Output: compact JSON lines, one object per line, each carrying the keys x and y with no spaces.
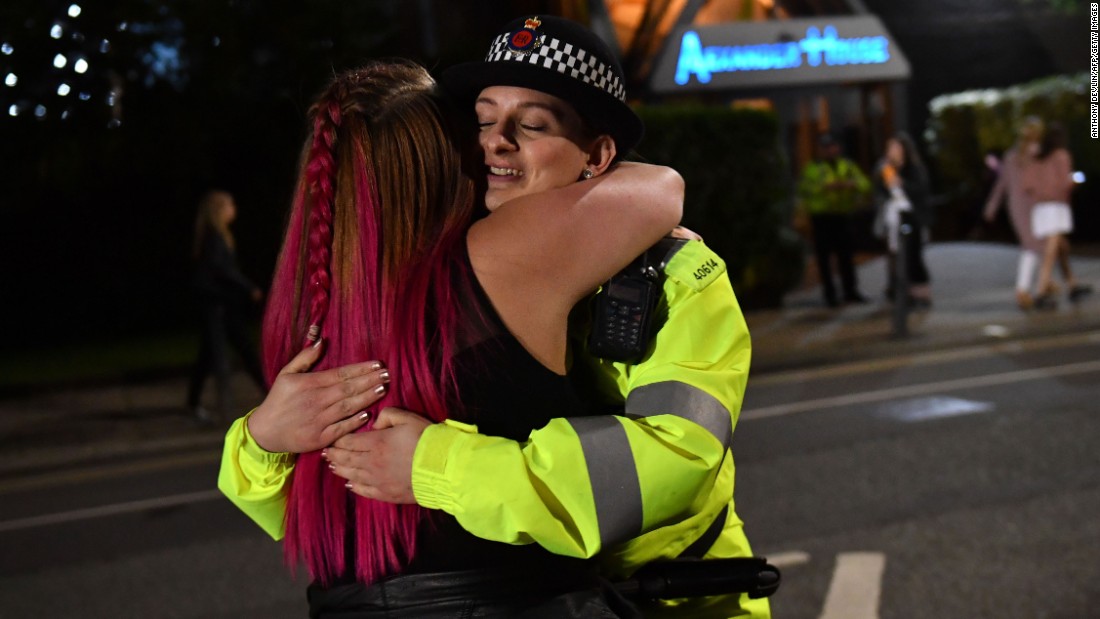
{"x":364,"y":416}
{"x":318,"y":342}
{"x":332,"y":467}
{"x":385,"y":375}
{"x":324,"y":454}
{"x":376,"y":366}
{"x":380,"y":389}
{"x":348,"y":486}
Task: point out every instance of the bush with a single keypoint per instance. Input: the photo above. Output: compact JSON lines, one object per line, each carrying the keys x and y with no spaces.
{"x":738,"y":194}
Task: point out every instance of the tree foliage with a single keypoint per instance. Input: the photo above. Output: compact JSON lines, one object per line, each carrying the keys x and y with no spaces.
{"x":738,"y":197}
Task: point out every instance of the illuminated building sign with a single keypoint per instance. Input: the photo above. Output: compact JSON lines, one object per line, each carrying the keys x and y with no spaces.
{"x":778,"y":53}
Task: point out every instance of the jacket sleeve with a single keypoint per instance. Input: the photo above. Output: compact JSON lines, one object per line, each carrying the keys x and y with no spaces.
{"x":255,"y":480}
{"x":917,"y":190}
{"x":809,"y":186}
{"x":580,"y":484}
{"x":1064,"y":172}
{"x":863,"y":185}
{"x":997,"y":194}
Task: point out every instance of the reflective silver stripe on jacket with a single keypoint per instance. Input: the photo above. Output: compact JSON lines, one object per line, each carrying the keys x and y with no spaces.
{"x":682,"y":400}
{"x":615,"y":487}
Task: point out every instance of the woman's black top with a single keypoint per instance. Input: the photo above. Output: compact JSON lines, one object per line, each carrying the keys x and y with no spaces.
{"x":506,"y":392}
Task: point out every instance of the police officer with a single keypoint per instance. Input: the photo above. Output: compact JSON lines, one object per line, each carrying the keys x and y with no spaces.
{"x":830,"y":191}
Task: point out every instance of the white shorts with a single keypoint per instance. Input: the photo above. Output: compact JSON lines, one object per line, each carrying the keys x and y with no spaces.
{"x":1049,"y":218}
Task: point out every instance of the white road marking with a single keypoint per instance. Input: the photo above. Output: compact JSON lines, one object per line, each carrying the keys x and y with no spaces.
{"x":908,"y":391}
{"x":938,"y":357}
{"x":107,"y":471}
{"x":783,"y":560}
{"x":110,"y":510}
{"x":933,"y":407}
{"x":856,"y":586}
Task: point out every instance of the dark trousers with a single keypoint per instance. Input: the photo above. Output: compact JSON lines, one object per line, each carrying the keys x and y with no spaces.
{"x":833,"y":237}
{"x":223,"y":325}
{"x":480,"y":594}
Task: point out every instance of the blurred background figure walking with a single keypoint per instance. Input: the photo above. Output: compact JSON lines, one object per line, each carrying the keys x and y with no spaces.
{"x":901,"y":191}
{"x":831,"y":189}
{"x":1010,"y":183}
{"x":223,"y":293}
{"x":1048,"y":180}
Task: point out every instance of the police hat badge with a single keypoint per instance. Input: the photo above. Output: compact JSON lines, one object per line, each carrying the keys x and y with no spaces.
{"x":526,"y":39}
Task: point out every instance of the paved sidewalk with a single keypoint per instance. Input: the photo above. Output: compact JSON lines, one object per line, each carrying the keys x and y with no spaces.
{"x":973,"y":303}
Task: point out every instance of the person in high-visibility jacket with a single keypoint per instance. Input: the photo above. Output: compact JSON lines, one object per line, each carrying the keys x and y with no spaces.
{"x":831,"y":189}
{"x":647,"y":484}
{"x":693,"y":376}
{"x":653,"y":482}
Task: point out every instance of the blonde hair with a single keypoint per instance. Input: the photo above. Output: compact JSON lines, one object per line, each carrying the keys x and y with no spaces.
{"x":209,"y":219}
{"x":1031,"y":125}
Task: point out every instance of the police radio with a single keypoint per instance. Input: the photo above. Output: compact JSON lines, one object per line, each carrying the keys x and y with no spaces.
{"x":622,"y":313}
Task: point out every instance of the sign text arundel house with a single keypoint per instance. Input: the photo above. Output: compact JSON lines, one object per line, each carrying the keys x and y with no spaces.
{"x":817,"y":48}
{"x":747,"y":55}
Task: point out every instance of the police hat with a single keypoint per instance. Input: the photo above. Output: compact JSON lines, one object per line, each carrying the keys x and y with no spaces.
{"x":561,"y":58}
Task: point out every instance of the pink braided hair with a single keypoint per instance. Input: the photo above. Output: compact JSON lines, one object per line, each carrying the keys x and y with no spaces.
{"x":374,"y":260}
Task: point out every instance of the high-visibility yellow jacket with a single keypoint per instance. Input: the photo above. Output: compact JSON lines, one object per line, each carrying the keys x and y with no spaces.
{"x":630,"y":488}
{"x":694,"y":374}
{"x":816,"y":197}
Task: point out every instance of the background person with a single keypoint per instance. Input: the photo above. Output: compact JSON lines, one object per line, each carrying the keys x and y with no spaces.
{"x":830,"y":190}
{"x":1048,"y":181}
{"x":1010,"y":184}
{"x":222,"y":292}
{"x":901,"y":194}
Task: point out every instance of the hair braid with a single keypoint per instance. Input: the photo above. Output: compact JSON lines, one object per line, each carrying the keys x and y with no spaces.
{"x":321,"y":179}
{"x":373,"y":257}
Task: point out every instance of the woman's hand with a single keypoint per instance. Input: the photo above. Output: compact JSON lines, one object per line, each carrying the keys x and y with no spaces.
{"x":378,"y":464}
{"x":680,"y":232}
{"x":307,"y":411}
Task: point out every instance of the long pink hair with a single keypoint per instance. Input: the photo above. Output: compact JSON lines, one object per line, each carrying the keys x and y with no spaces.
{"x":372,"y":262}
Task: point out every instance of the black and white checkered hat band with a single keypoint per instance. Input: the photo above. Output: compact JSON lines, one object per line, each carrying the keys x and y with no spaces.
{"x":565,"y":58}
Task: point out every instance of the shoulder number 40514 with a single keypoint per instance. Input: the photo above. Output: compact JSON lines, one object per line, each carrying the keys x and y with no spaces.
{"x":708,"y":267}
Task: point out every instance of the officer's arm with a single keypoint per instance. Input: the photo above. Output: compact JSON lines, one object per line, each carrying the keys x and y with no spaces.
{"x":996,"y":195}
{"x":255,"y":480}
{"x":809,"y":183}
{"x":862,"y":184}
{"x":580,"y":484}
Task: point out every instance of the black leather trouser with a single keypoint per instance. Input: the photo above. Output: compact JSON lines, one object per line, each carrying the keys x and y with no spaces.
{"x":472,"y":594}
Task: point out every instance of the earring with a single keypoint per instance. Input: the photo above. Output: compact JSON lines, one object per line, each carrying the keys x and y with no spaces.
{"x":587,"y":174}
